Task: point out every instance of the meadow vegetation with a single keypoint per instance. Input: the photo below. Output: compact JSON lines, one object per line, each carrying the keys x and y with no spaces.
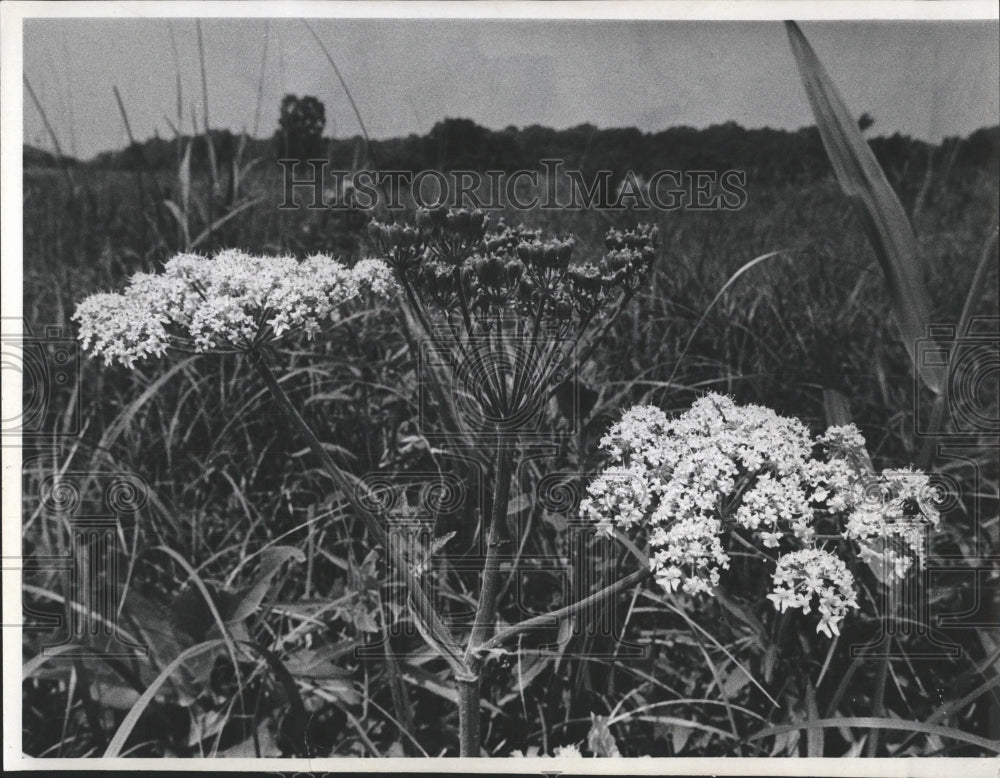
{"x":243,"y":547}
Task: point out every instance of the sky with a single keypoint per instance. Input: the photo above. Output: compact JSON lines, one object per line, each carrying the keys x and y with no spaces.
{"x":925,"y":79}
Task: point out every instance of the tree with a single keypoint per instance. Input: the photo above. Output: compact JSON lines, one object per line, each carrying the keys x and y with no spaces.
{"x":457,"y":144}
{"x":300,"y":127}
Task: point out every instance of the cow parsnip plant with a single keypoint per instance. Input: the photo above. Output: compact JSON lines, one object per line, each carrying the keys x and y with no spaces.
{"x":517,"y":315}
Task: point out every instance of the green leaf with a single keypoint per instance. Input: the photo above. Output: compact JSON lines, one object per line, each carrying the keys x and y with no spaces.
{"x":417,"y":676}
{"x":863,"y":181}
{"x":735,"y":682}
{"x":317,"y":663}
{"x":205,"y":724}
{"x":250,"y":598}
{"x":114,"y":695}
{"x":132,"y":717}
{"x":679,"y":736}
{"x":520,"y":503}
{"x":868,"y":722}
{"x":265,"y":740}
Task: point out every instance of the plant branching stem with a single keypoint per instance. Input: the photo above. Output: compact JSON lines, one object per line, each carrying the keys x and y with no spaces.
{"x":467,"y":678}
{"x":468,"y":688}
{"x":349,"y":486}
{"x":570,"y":610}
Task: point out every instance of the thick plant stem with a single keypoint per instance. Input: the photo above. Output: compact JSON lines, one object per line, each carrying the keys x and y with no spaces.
{"x":468,"y":717}
{"x":486,"y":609}
{"x":468,"y":687}
{"x":878,"y":701}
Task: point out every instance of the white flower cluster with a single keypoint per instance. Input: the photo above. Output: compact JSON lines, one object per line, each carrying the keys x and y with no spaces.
{"x":890,"y":519}
{"x":683,"y":481}
{"x":718,"y":460}
{"x":813,"y":572}
{"x":232,"y":302}
{"x":887,"y":512}
{"x":618,"y":492}
{"x":688,"y":553}
{"x":120,"y":328}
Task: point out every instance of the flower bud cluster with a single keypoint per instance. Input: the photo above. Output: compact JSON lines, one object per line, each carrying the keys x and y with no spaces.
{"x":516,"y":305}
{"x":455,"y":222}
{"x":451,"y":260}
{"x":232,"y":302}
{"x":722,"y":467}
{"x":400,"y":245}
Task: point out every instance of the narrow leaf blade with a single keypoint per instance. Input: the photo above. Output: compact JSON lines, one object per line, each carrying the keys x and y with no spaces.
{"x":863,"y":180}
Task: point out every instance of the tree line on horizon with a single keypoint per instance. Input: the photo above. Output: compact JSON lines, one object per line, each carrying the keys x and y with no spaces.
{"x":765,"y":154}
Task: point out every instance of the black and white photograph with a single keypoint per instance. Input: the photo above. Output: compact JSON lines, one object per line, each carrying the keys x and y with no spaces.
{"x":507,"y":386}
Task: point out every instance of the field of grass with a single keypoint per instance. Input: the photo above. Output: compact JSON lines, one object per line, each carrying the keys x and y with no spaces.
{"x":238,"y":514}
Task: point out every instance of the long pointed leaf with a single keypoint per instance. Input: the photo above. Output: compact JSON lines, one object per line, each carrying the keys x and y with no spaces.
{"x":863,"y":180}
{"x":132,"y":717}
{"x":868,"y":722}
{"x":223,"y":219}
{"x":271,"y":561}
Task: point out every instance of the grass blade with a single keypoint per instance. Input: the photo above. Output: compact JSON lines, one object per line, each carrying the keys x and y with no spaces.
{"x":207,"y":232}
{"x":184,"y":182}
{"x":51,"y":132}
{"x":732,"y":279}
{"x":868,"y":722}
{"x":837,"y":408}
{"x":260,"y":80}
{"x":863,"y":180}
{"x":132,"y":718}
{"x":369,"y":151}
{"x":212,"y":168}
{"x":178,"y":215}
{"x":34,"y":664}
{"x":814,"y":735}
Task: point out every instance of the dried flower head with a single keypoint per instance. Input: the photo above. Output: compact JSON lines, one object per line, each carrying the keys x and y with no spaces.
{"x":509,"y":302}
{"x":232,"y":302}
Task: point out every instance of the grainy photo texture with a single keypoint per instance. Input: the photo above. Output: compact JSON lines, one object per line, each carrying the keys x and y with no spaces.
{"x":508,"y":387}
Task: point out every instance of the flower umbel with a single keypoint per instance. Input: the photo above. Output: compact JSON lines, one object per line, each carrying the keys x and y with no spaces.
{"x":689,"y":483}
{"x":513,"y":309}
{"x":812,"y":573}
{"x":232,"y":302}
{"x":888,"y":513}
